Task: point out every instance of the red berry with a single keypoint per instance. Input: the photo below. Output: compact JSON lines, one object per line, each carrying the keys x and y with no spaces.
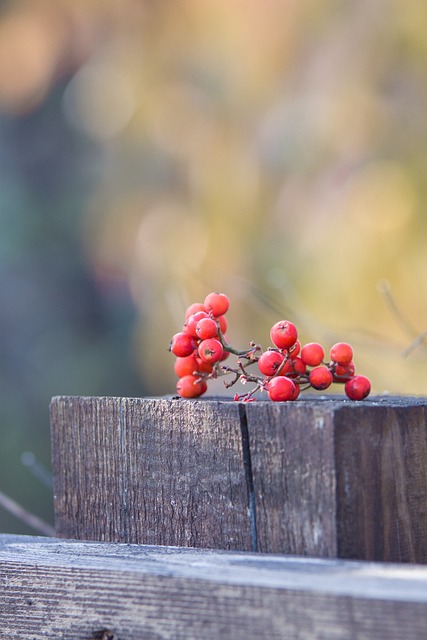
{"x":211,"y":350}
{"x":283,"y":334}
{"x":222,"y":323}
{"x":182,"y":344}
{"x":191,"y":386}
{"x":281,"y":389}
{"x":185,"y":366}
{"x":298,"y":367}
{"x":343,"y":372}
{"x":206,"y":328}
{"x":193,"y":308}
{"x":217,"y":303}
{"x":297,"y":391}
{"x":341,"y":353}
{"x":294,"y":367}
{"x":357,"y":388}
{"x":320,"y":378}
{"x":204,"y":367}
{"x":269,"y":362}
{"x":191,"y":322}
{"x":295,"y":349}
{"x":312,"y":354}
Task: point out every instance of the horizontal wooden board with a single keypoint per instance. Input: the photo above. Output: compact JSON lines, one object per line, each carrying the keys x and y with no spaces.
{"x":78,"y":590}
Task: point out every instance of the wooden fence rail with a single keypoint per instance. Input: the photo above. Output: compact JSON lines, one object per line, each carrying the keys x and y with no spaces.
{"x":74,"y":590}
{"x":318,"y":477}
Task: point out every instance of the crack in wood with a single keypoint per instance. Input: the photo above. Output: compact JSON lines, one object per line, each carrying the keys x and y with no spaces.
{"x":247,"y":463}
{"x":124,"y":488}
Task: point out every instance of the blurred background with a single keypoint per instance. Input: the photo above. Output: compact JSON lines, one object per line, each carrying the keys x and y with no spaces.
{"x":151,"y":152}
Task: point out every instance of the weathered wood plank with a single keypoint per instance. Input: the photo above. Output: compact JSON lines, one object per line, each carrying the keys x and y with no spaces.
{"x":73,"y":590}
{"x":335,"y":478}
{"x":381,"y":462}
{"x":293,"y":466}
{"x":154,"y":471}
{"x":322,"y":476}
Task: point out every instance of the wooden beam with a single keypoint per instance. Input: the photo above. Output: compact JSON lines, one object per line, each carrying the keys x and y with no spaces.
{"x":151,"y":471}
{"x":335,"y":478}
{"x":77,"y":590}
{"x":322,"y":476}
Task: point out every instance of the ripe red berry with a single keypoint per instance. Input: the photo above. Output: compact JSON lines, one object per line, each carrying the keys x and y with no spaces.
{"x":298,"y":367}
{"x":297,"y":391}
{"x":358,"y":388}
{"x":283,"y":334}
{"x":281,"y":389}
{"x":320,"y":378}
{"x":312,"y":354}
{"x":294,"y":367}
{"x":217,"y":303}
{"x":190,"y":386}
{"x":206,"y":328}
{"x":269,"y":362}
{"x":191,"y":322}
{"x":210,"y":350}
{"x":341,"y":353}
{"x":185,"y":366}
{"x":193,"y":308}
{"x":204,"y":367}
{"x":182,"y":344}
{"x":222,"y":323}
{"x":343,"y":372}
{"x":295,"y":349}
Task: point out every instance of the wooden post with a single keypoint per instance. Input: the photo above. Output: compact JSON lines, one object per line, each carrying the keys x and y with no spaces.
{"x":151,"y":471}
{"x":320,"y":476}
{"x":74,"y":590}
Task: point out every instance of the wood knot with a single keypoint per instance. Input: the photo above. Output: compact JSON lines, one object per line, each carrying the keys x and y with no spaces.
{"x":104,"y":634}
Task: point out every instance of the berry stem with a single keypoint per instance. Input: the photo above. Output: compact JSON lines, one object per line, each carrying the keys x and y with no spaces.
{"x":244,"y":353}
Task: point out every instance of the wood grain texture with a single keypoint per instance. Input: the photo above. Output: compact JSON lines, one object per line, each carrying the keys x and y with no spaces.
{"x":73,"y":590}
{"x":154,"y":471}
{"x":293,"y":465}
{"x":322,"y":476}
{"x":334,"y":478}
{"x":382,"y":483}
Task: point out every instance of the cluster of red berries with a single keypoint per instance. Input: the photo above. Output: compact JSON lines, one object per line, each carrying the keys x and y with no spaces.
{"x":286,"y":368}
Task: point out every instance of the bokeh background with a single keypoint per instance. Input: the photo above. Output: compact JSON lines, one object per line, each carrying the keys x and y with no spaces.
{"x":151,"y":152}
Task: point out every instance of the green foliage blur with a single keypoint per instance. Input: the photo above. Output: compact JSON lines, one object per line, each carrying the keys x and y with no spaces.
{"x":151,"y":152}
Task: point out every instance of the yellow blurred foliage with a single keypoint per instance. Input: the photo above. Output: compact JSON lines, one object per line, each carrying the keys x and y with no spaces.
{"x":274,"y":150}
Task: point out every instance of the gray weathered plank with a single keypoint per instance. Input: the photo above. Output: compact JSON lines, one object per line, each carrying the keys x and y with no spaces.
{"x":153,"y":471}
{"x":336,"y":478}
{"x":381,"y":462}
{"x":321,"y":476}
{"x":293,"y":467}
{"x":74,"y":590}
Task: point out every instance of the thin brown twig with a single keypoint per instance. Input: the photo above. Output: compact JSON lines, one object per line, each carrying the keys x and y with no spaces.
{"x":385,"y":290}
{"x":25,"y":516}
{"x":414,"y":344}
